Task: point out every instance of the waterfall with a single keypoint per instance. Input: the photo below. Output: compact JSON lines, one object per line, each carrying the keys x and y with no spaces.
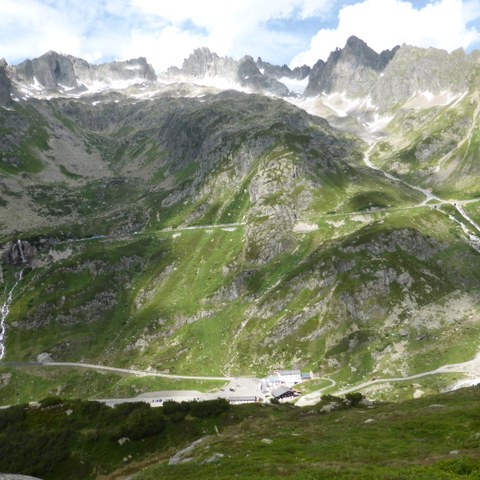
{"x":4,"y":314}
{"x":20,"y":249}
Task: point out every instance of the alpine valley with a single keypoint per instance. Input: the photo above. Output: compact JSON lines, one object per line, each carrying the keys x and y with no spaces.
{"x":232,"y":217}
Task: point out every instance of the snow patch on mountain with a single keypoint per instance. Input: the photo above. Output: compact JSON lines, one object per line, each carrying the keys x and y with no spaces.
{"x":217,"y":82}
{"x":427,"y":99}
{"x":378,"y":123}
{"x":294,"y":85}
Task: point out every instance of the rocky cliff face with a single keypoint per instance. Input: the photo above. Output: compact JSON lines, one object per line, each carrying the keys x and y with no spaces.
{"x":135,"y":69}
{"x":203,"y":63}
{"x":355,"y":69}
{"x":207,"y":66}
{"x":413,"y":70}
{"x":250,"y":77}
{"x":53,"y":71}
{"x":391,"y":76}
{"x":276,"y":71}
{"x":5,"y":84}
{"x":48,"y":71}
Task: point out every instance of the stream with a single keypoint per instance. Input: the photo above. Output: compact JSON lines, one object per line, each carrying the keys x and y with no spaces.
{"x":473,"y":238}
{"x":4,"y":313}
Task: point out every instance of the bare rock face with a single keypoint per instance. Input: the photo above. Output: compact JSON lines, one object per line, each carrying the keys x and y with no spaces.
{"x":354,"y":69}
{"x":5,"y":84}
{"x":203,"y":64}
{"x":250,"y":76}
{"x":276,"y":71}
{"x":135,"y":69}
{"x":391,"y":76}
{"x":22,"y":252}
{"x":53,"y":71}
{"x":414,"y":70}
{"x":50,"y":70}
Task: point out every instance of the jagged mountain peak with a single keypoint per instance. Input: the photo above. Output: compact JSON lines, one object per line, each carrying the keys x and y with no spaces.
{"x":353,"y":40}
{"x":48,"y":71}
{"x":5,"y":84}
{"x":358,"y":52}
{"x":200,"y":55}
{"x":53,"y":71}
{"x":357,"y":44}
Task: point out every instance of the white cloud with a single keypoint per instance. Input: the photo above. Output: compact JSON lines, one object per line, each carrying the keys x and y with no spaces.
{"x":163,"y":31}
{"x":24,"y":24}
{"x":212,"y":13}
{"x":386,"y":23}
{"x":167,"y":31}
{"x":228,"y":28}
{"x":166,"y":48}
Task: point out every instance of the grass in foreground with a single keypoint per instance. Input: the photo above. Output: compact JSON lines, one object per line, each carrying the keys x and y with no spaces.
{"x":435,"y":437}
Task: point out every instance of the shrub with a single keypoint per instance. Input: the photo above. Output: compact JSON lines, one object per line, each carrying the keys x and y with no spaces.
{"x":92,"y":411}
{"x":141,"y":423}
{"x":209,"y":408}
{"x":11,"y":416}
{"x":331,"y":399}
{"x":123,"y":410}
{"x":50,"y":402}
{"x":354,"y":398}
{"x":33,"y":453}
{"x":171,"y":407}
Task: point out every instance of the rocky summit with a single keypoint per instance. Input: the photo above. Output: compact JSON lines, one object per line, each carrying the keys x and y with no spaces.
{"x":232,"y":217}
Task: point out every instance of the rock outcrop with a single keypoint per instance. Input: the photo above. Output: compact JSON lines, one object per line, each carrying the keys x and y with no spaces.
{"x":203,"y":65}
{"x":355,"y":69}
{"x":53,"y":71}
{"x":250,"y":77}
{"x":5,"y":84}
{"x":48,"y":71}
{"x":276,"y":71}
{"x":391,"y":76}
{"x":135,"y":69}
{"x":412,"y":70}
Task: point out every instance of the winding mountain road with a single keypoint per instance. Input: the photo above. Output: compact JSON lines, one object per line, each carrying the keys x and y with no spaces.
{"x":244,"y":384}
{"x":472,"y":238}
{"x":471,"y":367}
{"x":221,"y":226}
{"x":138,"y":373}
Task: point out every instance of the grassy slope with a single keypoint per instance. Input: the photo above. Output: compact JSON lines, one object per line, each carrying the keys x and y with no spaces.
{"x":431,"y":438}
{"x":162,"y":299}
{"x":28,"y":384}
{"x":436,"y":147}
{"x":163,"y":288}
{"x":411,"y":440}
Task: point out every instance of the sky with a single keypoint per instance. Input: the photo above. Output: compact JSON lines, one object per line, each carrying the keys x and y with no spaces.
{"x":292,"y":32}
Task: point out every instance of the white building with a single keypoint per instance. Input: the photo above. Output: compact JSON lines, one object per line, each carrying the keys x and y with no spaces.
{"x":289,"y":377}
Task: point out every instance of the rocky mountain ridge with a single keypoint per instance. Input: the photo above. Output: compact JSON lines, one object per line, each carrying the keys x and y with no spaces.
{"x":354,"y":71}
{"x":5,"y":84}
{"x":260,"y":77}
{"x":54,"y":72}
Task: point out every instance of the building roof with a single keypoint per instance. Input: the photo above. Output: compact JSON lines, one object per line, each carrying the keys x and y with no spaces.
{"x":288,"y":372}
{"x":242,"y":399}
{"x":278,"y":392}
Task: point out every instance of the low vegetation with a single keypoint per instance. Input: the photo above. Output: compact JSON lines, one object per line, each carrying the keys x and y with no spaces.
{"x":346,"y":438}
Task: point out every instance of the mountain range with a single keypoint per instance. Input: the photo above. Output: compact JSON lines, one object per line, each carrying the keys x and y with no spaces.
{"x":236,"y":216}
